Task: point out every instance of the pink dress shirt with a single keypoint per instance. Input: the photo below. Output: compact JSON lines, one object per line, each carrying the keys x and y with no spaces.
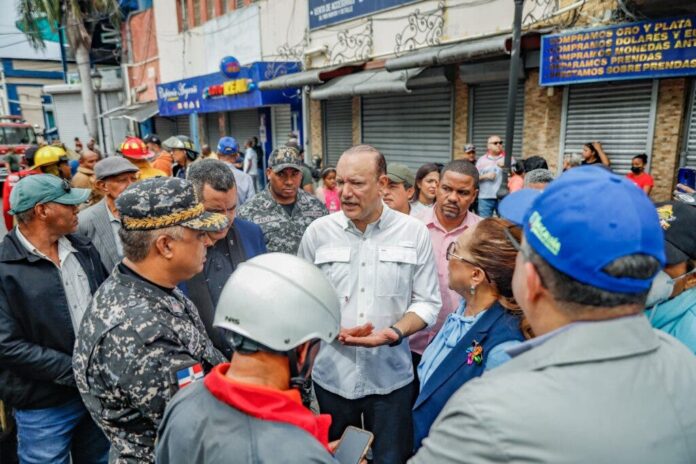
{"x":441,"y":239}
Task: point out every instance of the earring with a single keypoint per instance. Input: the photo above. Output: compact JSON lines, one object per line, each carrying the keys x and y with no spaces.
{"x":472,"y":290}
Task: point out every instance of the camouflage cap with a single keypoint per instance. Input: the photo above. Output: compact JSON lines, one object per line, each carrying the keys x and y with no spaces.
{"x":285,"y":157}
{"x":161,"y":202}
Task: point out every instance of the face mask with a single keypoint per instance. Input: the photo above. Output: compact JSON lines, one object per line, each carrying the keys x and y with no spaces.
{"x":636,"y":170}
{"x":660,"y":290}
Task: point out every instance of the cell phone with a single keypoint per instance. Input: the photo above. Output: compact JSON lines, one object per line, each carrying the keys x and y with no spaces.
{"x":353,"y":445}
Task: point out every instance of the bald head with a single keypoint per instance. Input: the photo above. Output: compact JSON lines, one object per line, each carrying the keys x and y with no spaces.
{"x":495,"y":144}
{"x":380,"y":164}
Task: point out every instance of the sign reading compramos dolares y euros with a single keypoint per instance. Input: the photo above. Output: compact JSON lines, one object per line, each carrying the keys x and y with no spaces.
{"x":645,"y":50}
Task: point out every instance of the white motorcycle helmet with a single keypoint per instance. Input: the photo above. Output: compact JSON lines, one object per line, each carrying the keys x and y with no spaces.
{"x":277,"y":301}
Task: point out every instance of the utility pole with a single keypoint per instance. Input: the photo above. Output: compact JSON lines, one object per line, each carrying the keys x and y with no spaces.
{"x":61,"y":40}
{"x":512,"y":97}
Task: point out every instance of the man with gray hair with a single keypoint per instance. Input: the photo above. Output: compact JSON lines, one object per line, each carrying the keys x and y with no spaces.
{"x":215,"y":187}
{"x":572,"y":160}
{"x":538,"y":179}
{"x":141,"y":339}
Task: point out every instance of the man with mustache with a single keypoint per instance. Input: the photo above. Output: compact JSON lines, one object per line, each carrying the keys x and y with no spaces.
{"x":283,"y":210}
{"x":381,"y":265}
{"x":446,"y":221}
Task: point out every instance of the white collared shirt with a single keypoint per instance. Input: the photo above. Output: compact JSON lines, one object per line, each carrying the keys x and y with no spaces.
{"x":379,"y":276}
{"x":75,"y":281}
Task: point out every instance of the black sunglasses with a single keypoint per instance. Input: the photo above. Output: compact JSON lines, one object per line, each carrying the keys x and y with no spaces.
{"x":450,"y":254}
{"x":497,"y":143}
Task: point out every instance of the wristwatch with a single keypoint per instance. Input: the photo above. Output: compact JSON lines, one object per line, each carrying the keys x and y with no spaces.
{"x":399,"y":333}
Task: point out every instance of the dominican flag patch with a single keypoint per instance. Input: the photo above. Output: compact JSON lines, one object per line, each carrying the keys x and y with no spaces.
{"x":189,"y":375}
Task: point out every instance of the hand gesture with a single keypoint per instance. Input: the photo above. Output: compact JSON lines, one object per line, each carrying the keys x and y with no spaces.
{"x":364,"y":335}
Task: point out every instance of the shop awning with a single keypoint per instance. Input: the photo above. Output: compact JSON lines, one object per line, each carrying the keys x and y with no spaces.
{"x":460,"y":52}
{"x":379,"y":81}
{"x":138,"y":112}
{"x":311,"y":77}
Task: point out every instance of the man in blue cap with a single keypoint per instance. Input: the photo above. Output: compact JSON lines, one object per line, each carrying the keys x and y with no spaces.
{"x":227,"y":151}
{"x":598,"y":384}
{"x":47,"y":278}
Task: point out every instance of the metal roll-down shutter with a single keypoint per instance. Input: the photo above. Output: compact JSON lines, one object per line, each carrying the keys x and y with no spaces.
{"x":243,"y":125}
{"x":488,"y":109}
{"x":338,"y":129}
{"x":620,"y":115}
{"x":412,"y":129}
{"x":281,"y":124}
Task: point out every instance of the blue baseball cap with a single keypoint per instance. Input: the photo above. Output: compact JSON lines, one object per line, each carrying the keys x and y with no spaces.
{"x":228,"y":146}
{"x":585,"y":220}
{"x":44,"y":188}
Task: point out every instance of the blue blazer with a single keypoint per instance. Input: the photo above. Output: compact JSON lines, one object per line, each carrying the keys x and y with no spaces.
{"x":251,"y":237}
{"x":495,"y":327}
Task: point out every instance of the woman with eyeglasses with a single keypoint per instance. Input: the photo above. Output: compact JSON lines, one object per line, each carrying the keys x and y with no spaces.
{"x":487,"y":323}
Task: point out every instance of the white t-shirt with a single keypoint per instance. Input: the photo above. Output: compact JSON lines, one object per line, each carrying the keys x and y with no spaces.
{"x":250,"y":164}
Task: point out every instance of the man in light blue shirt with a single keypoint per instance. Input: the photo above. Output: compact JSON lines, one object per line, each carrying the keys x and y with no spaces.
{"x":381,"y":265}
{"x":227,"y":151}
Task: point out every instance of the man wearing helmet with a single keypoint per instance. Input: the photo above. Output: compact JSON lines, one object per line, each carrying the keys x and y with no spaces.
{"x":250,"y":409}
{"x":161,"y":160}
{"x":52,"y":160}
{"x":135,"y":151}
{"x":183,"y":152}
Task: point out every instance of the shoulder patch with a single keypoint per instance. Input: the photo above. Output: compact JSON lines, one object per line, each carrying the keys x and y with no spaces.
{"x":187,"y":375}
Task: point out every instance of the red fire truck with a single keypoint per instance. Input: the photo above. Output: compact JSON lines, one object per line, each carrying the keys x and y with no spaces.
{"x":16,"y":135}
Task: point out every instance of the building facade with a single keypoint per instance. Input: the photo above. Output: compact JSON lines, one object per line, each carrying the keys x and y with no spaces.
{"x":419,"y":79}
{"x":198,"y":99}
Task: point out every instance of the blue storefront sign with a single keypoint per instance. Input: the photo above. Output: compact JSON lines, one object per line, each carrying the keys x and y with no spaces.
{"x":216,"y":92}
{"x":645,"y":50}
{"x":325,"y":12}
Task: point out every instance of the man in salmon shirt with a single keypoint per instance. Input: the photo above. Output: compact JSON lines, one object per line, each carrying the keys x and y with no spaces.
{"x":449,"y":217}
{"x":257,"y":396}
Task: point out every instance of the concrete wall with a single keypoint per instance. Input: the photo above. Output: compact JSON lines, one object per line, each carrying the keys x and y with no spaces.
{"x":461,"y":119}
{"x":316,"y":132}
{"x":198,"y":51}
{"x":542,"y":120}
{"x":144,"y":70}
{"x":669,"y":126}
{"x":268,"y":30}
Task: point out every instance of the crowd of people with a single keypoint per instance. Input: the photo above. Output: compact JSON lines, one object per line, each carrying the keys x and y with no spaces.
{"x":175,"y":306}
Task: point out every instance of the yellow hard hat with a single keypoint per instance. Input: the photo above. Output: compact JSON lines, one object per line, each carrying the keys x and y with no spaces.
{"x":50,"y":154}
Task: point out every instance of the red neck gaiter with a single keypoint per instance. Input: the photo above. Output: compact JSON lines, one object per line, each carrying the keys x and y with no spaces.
{"x":267,"y":403}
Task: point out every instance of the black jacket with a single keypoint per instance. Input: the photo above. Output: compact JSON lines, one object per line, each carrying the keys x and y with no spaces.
{"x":36,"y":332}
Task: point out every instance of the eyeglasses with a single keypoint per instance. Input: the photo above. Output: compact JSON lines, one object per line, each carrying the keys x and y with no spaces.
{"x":450,"y":254}
{"x":498,"y":142}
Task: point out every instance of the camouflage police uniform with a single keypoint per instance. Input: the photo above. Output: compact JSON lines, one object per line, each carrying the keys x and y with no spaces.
{"x":136,"y":338}
{"x":282,"y":231}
